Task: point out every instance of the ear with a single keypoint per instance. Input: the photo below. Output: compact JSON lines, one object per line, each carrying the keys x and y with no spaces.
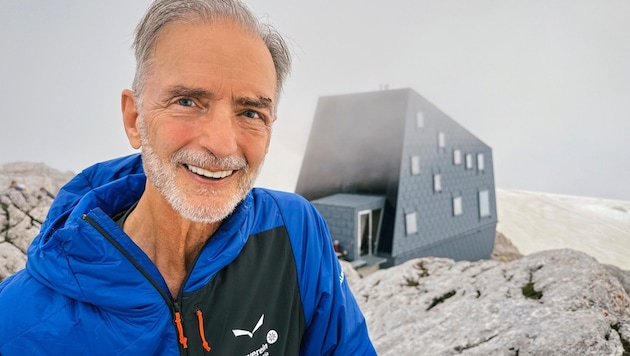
{"x":130,"y":117}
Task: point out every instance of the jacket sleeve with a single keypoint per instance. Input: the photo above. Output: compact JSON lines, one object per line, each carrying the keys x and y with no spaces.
{"x":334,"y":324}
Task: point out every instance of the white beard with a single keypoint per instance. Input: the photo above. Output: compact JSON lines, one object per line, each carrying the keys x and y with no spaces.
{"x":163,"y":175}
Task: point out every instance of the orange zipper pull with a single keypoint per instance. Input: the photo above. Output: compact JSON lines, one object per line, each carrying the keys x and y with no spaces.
{"x":202,"y":332}
{"x":180,"y":329}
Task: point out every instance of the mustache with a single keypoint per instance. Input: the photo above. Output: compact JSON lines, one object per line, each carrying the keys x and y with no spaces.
{"x":208,"y":159}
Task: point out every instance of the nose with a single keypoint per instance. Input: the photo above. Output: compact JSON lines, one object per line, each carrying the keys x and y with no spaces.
{"x":218,"y":133}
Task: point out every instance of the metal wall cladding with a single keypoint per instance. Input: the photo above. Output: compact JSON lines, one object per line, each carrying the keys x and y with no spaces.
{"x":393,"y":144}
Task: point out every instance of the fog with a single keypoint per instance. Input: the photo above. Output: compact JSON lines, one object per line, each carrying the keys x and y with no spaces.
{"x":545,"y":84}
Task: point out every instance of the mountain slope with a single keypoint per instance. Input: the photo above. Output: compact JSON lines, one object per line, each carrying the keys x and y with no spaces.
{"x":539,"y":221}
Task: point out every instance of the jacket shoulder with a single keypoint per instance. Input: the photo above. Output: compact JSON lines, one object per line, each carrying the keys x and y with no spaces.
{"x":26,"y":303}
{"x":279,"y":196}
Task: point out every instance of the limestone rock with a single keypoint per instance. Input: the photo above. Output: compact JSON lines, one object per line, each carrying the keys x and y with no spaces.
{"x":559,"y":302}
{"x":34,"y":176}
{"x":23,"y":234}
{"x":4,"y":223}
{"x":504,"y":250}
{"x":622,"y":275}
{"x":23,"y":211}
{"x":352,"y":276}
{"x":12,"y":259}
{"x":15,"y":215}
{"x":39,"y":213}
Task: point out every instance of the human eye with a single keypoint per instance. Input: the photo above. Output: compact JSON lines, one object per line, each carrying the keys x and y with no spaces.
{"x":251,"y":114}
{"x":185,"y":102}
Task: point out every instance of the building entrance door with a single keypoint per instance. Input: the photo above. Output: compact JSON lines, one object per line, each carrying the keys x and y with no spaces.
{"x":368,"y":221}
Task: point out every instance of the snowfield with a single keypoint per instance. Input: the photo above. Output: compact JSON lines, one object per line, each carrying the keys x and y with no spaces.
{"x":540,"y":221}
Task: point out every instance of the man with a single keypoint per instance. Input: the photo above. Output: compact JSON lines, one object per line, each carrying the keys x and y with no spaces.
{"x":173,"y":252}
{"x":19,"y":187}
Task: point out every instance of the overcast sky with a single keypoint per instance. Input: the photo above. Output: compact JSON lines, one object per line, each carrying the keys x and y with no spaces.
{"x":545,"y":83}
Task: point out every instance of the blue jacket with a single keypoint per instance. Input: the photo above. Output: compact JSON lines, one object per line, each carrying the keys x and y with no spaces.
{"x":266,"y":283}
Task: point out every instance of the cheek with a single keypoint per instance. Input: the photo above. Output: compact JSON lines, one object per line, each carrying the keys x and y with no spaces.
{"x":254,"y":145}
{"x":172,"y":135}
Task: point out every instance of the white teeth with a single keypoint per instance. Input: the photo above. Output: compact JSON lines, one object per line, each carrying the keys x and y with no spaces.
{"x":206,"y":173}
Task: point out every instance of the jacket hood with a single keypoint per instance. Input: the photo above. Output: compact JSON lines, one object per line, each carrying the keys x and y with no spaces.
{"x":83,"y":254}
{"x":71,"y":256}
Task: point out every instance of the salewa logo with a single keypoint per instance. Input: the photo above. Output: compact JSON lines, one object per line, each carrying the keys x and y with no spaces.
{"x":239,"y":332}
{"x":262,"y":351}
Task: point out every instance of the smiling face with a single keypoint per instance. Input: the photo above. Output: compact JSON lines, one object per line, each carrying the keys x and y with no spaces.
{"x":205,"y":119}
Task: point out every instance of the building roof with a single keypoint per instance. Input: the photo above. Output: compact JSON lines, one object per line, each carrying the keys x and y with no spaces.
{"x":350,"y":200}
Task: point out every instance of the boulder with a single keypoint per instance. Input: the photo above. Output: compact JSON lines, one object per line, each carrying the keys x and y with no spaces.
{"x":15,"y":215}
{"x":622,"y":275}
{"x":559,"y":302}
{"x":23,"y":234}
{"x":504,"y":250}
{"x":12,"y":259}
{"x":23,"y":211}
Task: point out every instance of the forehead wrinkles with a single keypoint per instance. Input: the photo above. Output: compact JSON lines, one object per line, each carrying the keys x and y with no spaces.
{"x":234,"y":50}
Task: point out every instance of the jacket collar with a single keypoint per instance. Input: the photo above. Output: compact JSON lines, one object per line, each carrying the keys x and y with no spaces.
{"x":74,"y":258}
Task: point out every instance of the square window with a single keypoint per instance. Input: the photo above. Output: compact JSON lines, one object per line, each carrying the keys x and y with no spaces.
{"x":457,"y":157}
{"x":415,"y":165}
{"x":457,"y":206}
{"x":469,"y":161}
{"x":480,"y":161}
{"x":441,"y":140}
{"x":484,"y":203}
{"x":437,"y":182}
{"x":419,"y":119}
{"x":411,"y":223}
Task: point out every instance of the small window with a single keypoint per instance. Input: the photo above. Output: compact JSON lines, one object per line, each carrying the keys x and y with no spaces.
{"x":437,"y":182}
{"x":457,"y":157}
{"x":480,"y":162}
{"x":457,"y":206}
{"x":484,"y":203}
{"x":411,"y":223}
{"x":415,"y":165}
{"x":441,"y":140}
{"x":469,"y":161}
{"x":420,"y":119}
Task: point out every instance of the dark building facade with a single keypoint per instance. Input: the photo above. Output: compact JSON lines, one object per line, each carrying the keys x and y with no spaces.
{"x":392,"y":166}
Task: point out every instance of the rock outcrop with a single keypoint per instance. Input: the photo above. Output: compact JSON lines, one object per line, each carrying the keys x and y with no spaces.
{"x":24,"y":208}
{"x":504,"y":250}
{"x":559,"y":302}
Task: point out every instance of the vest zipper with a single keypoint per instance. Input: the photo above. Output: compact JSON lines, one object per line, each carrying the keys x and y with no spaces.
{"x":177,"y":311}
{"x":174,"y":305}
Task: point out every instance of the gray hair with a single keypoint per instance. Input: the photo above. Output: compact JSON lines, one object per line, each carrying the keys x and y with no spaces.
{"x":163,"y":12}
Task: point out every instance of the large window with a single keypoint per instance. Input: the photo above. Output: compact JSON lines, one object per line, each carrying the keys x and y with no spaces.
{"x":469,"y":161}
{"x":419,"y":119}
{"x":457,"y":206}
{"x":484,"y":203}
{"x":415,"y":165}
{"x":457,"y":157}
{"x":437,"y":182}
{"x":411,"y":223}
{"x":480,"y":162}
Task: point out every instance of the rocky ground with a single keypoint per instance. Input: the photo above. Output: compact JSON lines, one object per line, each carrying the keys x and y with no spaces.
{"x":555,"y":302}
{"x":23,"y":211}
{"x":559,"y":302}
